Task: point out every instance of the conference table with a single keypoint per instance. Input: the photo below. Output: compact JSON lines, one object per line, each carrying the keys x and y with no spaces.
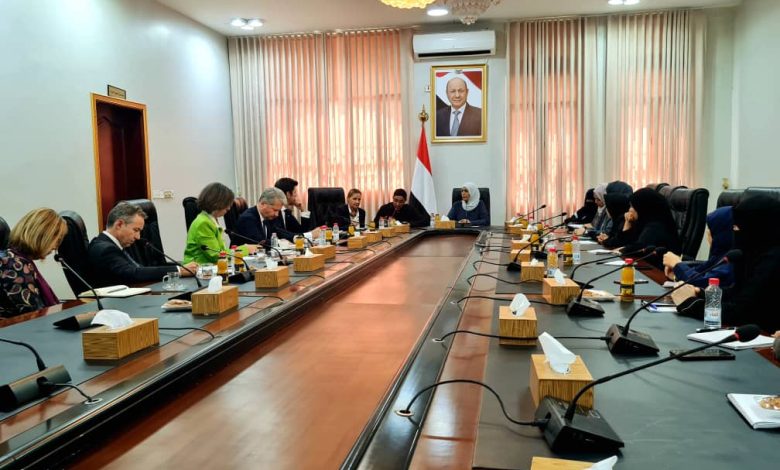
{"x":310,"y":375}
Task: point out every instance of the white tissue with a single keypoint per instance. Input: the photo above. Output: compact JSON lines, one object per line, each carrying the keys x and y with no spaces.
{"x":558,"y":275}
{"x":605,"y":464}
{"x":308,"y":252}
{"x":398,"y":222}
{"x":534,"y":262}
{"x":444,"y":218}
{"x":557,"y":355}
{"x":215,"y":284}
{"x":525,"y":238}
{"x":112,"y":319}
{"x":519,"y":305}
{"x":271,"y":263}
{"x":357,"y":234}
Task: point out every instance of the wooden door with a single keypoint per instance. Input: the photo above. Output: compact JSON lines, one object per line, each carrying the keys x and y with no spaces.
{"x":121,"y":153}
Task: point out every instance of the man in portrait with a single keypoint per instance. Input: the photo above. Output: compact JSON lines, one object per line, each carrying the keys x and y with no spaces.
{"x":460,"y":118}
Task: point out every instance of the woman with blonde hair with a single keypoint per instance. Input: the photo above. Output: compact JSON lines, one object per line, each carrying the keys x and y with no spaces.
{"x":36,"y":235}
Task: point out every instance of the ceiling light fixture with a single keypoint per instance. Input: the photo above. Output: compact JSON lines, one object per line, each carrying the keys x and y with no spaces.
{"x":247,"y":24}
{"x":407,"y":3}
{"x":622,"y":2}
{"x":438,"y":9}
{"x":469,"y":10}
{"x":238,"y":22}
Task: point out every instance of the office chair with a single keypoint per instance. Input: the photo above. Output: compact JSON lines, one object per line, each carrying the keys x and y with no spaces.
{"x":5,"y":234}
{"x":323,"y":201}
{"x":73,"y":249}
{"x":143,"y":254}
{"x":231,"y":216}
{"x":689,"y":209}
{"x":191,"y":210}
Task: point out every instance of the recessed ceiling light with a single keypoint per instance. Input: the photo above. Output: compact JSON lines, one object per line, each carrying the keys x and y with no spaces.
{"x":238,"y":22}
{"x":437,"y":10}
{"x":255,"y":22}
{"x":622,"y":2}
{"x":248,"y":27}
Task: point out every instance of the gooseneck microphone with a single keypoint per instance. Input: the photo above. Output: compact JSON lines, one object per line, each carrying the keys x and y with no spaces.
{"x":568,"y":430}
{"x":622,"y":340}
{"x":21,"y":391}
{"x":149,"y":244}
{"x":578,"y":307}
{"x":641,"y":251}
{"x":562,"y":214}
{"x":59,"y":259}
{"x":263,"y":243}
{"x":532,"y":212}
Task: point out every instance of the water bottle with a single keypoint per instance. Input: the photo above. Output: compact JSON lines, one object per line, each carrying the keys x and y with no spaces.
{"x":576,"y":254}
{"x":336,"y":234}
{"x":321,"y":238}
{"x":552,"y":261}
{"x":627,"y":281}
{"x":712,"y":296}
{"x":433,"y":220}
{"x":567,"y":253}
{"x":274,"y":240}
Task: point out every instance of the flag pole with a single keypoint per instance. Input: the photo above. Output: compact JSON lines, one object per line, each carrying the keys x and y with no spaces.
{"x":423,"y":116}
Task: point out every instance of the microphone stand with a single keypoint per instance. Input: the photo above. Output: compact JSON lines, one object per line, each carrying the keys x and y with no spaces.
{"x":627,"y":255}
{"x":263,"y":243}
{"x":149,"y":244}
{"x":59,"y":259}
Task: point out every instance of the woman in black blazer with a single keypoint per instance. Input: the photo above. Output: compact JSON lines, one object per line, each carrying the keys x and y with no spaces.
{"x":350,"y":213}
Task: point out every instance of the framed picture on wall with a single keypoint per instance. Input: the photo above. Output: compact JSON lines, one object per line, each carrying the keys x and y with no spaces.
{"x":459,"y":101}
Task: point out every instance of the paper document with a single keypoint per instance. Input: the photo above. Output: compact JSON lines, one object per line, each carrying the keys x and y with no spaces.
{"x":600,"y":251}
{"x":617,"y":262}
{"x":117,"y":291}
{"x":756,"y":415}
{"x":710,"y":337}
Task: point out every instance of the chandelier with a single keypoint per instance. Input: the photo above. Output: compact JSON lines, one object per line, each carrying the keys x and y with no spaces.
{"x":408,"y":3}
{"x":469,"y":10}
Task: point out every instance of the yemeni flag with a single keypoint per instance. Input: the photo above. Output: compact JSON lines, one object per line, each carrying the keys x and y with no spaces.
{"x":423,"y":197}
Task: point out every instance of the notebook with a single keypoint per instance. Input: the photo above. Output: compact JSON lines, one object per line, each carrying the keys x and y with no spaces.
{"x":710,"y":337}
{"x":117,"y":291}
{"x":754,"y":414}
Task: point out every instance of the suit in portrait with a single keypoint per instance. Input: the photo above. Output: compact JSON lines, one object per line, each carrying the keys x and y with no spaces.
{"x":470,"y":122}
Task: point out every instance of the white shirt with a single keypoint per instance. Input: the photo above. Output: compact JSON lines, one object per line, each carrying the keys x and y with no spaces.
{"x":113,"y":239}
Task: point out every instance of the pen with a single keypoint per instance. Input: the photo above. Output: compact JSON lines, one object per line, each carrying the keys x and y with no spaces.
{"x":116,"y":289}
{"x":705,"y":330}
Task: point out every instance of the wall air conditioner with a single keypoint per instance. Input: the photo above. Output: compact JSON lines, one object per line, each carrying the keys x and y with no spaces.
{"x":462,"y":44}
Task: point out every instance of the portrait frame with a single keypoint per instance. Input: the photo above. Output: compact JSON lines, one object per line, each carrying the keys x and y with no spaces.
{"x":474,"y":76}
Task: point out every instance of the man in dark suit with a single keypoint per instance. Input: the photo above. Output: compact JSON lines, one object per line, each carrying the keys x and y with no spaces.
{"x":288,"y":219}
{"x":258,"y":223}
{"x":458,"y":119}
{"x":110,"y":262}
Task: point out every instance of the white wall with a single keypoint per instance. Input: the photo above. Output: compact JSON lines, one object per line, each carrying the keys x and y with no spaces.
{"x":55,"y":53}
{"x":453,"y":164}
{"x":757,"y":96}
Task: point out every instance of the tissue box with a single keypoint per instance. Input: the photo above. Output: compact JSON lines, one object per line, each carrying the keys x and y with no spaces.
{"x":524,"y":256}
{"x":329,"y":251}
{"x":273,"y":278}
{"x":532,"y":272}
{"x":545,"y":463}
{"x":387,"y":232}
{"x":403,"y":228}
{"x":557,"y":294}
{"x":372,"y":237}
{"x":306,"y":263}
{"x":444,"y":225}
{"x":208,"y":303}
{"x":357,"y":242}
{"x":521,"y":244}
{"x":519,"y":327}
{"x":515,"y":229}
{"x":545,"y":382}
{"x":104,"y":343}
{"x":528,"y":232}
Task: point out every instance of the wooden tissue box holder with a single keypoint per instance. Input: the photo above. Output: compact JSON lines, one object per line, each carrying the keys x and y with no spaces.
{"x":545,"y":382}
{"x":372,"y":237}
{"x":546,"y":463}
{"x":515,"y":229}
{"x":444,"y":225}
{"x":329,"y":251}
{"x":403,"y":228}
{"x":521,"y":244}
{"x":208,"y":303}
{"x":273,"y":278}
{"x":524,"y":256}
{"x":532,"y":272}
{"x":387,"y":232}
{"x":306,"y":263}
{"x":557,"y":294}
{"x":357,"y":242}
{"x":102,"y":343}
{"x":517,"y":326}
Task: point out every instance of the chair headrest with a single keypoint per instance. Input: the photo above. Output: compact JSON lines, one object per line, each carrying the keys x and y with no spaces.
{"x":147,"y":206}
{"x":5,"y":234}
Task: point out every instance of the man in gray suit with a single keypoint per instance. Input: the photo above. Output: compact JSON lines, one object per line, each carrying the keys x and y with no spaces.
{"x":460,"y":118}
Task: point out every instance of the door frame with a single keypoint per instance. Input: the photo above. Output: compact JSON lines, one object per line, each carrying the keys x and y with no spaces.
{"x":102,"y":99}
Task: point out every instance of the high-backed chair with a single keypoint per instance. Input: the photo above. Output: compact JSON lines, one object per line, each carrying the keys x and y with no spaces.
{"x":73,"y":250}
{"x":323,"y":201}
{"x":689,"y":208}
{"x":772,"y":192}
{"x":484,"y":196}
{"x":5,"y":233}
{"x":231,"y":217}
{"x":729,"y":197}
{"x":668,"y":190}
{"x":143,"y":254}
{"x":191,"y":210}
{"x":657,"y":186}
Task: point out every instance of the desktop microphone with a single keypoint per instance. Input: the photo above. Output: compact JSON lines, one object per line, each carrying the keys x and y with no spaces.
{"x":81,"y":320}
{"x":641,"y":251}
{"x":149,"y":244}
{"x":21,"y":391}
{"x":264,"y":243}
{"x":568,"y":429}
{"x":579,"y":307}
{"x":530,"y":213}
{"x":539,"y":253}
{"x":562,"y":214}
{"x":59,"y":259}
{"x":622,"y":340}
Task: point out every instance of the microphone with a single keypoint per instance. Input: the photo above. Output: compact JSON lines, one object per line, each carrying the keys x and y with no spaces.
{"x":530,"y":213}
{"x":641,"y":251}
{"x":149,"y":244}
{"x":540,"y":254}
{"x":578,"y":307}
{"x":59,"y":259}
{"x":21,"y":391}
{"x":570,"y":430}
{"x":562,"y":214}
{"x":264,"y":243}
{"x":624,"y":341}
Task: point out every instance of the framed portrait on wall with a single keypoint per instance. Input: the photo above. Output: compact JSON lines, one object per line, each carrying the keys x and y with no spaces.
{"x":459,"y":101}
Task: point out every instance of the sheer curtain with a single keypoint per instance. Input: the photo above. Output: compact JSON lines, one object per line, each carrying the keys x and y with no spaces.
{"x":325,"y":109}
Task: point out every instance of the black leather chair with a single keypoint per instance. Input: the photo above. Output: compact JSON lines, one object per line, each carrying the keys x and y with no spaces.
{"x":231,"y":217}
{"x":73,"y":250}
{"x":143,"y":254}
{"x":729,"y":197}
{"x":484,"y":196}
{"x":323,"y":201}
{"x":657,"y":186}
{"x":689,"y":208}
{"x":772,"y":192}
{"x":191,"y":210}
{"x":5,"y":234}
{"x":667,"y":191}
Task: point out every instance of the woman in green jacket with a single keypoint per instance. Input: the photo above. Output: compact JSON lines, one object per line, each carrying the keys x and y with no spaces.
{"x":214,"y":201}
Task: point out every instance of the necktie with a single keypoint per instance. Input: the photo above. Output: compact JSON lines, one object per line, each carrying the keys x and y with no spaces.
{"x":455,"y":123}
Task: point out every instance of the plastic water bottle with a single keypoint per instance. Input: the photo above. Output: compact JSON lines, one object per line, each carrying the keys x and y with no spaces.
{"x":712,"y":296}
{"x":274,"y":240}
{"x":336,"y":234}
{"x":321,"y":238}
{"x":433,"y":220}
{"x":576,"y":254}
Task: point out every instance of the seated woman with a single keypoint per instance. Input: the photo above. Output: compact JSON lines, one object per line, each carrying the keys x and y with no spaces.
{"x":593,"y":229}
{"x":350,"y":213}
{"x":36,"y":235}
{"x":720,"y":236}
{"x":587,"y":212}
{"x":651,"y":220}
{"x":214,"y":201}
{"x":470,"y":210}
{"x":401,"y":211}
{"x":617,"y":205}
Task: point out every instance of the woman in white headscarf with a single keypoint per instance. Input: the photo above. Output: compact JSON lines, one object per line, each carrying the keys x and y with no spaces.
{"x":470,"y":210}
{"x":602,"y":216}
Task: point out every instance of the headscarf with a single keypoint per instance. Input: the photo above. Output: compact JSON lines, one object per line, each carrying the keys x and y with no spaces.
{"x":588,"y":210}
{"x":721,"y":225}
{"x":473,"y":197}
{"x":651,"y":206}
{"x":758,"y":219}
{"x":617,"y":205}
{"x":598,"y":193}
{"x":620,"y":187}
